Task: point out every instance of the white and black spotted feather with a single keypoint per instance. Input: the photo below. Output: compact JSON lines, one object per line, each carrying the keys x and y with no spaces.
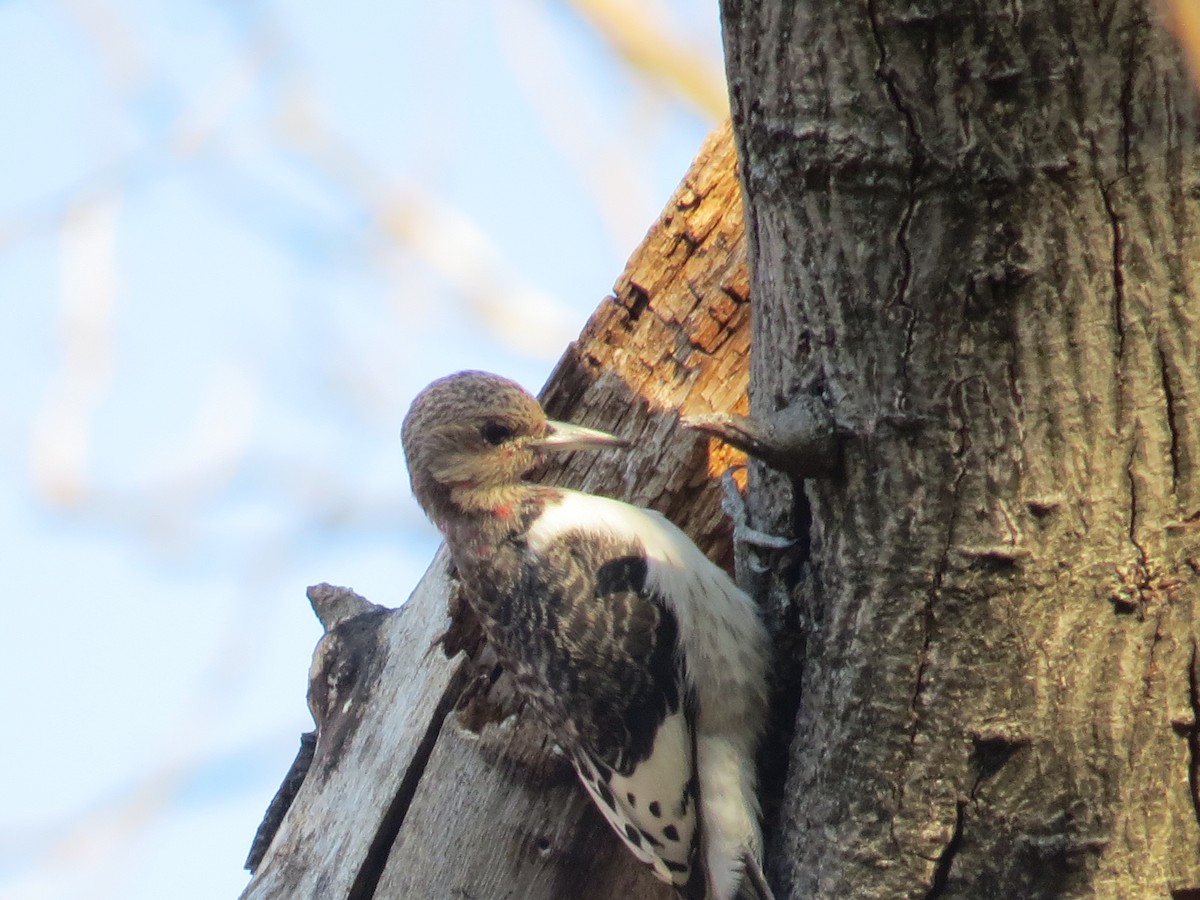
{"x":721,"y":660}
{"x":653,"y":808}
{"x":596,"y":654}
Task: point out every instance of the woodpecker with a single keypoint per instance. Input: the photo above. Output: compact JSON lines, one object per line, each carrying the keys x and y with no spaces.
{"x":643,"y":659}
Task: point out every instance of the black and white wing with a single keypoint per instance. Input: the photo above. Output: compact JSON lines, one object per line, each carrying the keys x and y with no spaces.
{"x":608,"y":652}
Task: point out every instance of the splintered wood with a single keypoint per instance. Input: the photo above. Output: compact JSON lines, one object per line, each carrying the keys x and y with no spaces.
{"x":404,"y":799}
{"x":673,"y":340}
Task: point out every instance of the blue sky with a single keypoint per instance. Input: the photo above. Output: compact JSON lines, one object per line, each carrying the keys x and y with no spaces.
{"x":235,"y":239}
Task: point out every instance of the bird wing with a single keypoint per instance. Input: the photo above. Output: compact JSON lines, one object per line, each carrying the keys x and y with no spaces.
{"x":720,"y":636}
{"x":653,"y":808}
{"x":608,"y":652}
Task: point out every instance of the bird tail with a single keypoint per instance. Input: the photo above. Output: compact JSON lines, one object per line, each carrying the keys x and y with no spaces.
{"x":754,"y":884}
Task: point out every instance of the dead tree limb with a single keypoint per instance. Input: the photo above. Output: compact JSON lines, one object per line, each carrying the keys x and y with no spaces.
{"x":425,"y":781}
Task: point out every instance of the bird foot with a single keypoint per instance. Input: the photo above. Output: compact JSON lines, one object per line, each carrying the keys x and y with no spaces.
{"x":734,"y":506}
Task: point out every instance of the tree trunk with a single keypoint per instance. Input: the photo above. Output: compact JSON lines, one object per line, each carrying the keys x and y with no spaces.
{"x":973,"y":230}
{"x":422,"y":781}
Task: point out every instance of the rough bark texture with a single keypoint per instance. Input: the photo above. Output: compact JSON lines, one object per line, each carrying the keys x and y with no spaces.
{"x":405,"y":798}
{"x":974,"y":229}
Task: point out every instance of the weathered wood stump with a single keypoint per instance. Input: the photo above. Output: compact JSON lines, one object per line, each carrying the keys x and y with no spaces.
{"x":424,"y":780}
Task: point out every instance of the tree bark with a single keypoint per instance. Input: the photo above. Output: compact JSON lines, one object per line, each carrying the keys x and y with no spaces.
{"x":973,"y":230}
{"x":424,"y":780}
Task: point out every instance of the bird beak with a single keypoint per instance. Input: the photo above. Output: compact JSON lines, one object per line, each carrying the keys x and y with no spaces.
{"x":564,"y":436}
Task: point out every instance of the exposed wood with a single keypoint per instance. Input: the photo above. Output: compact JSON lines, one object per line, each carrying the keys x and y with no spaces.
{"x":975,"y":228}
{"x":673,"y":340}
{"x":376,"y":723}
{"x":490,"y":828}
{"x":402,"y":801}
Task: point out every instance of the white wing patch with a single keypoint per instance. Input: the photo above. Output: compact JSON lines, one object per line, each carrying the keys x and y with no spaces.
{"x":653,"y":809}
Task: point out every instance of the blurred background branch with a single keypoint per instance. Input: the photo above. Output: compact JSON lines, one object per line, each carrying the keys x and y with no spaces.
{"x":235,"y":239}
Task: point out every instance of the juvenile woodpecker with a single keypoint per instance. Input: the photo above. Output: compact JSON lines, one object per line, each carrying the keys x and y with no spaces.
{"x":643,"y":658}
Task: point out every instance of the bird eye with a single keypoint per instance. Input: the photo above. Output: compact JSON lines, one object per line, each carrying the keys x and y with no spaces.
{"x":495,"y":433}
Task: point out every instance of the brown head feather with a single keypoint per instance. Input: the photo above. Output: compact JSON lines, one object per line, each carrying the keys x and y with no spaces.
{"x":468,"y":440}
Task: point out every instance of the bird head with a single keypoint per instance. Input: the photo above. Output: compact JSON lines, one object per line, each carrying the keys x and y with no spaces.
{"x":469,"y":438}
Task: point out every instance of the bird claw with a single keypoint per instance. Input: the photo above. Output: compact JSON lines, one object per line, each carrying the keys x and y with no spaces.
{"x":731,"y":502}
{"x":756,"y":538}
{"x":735,"y":507}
